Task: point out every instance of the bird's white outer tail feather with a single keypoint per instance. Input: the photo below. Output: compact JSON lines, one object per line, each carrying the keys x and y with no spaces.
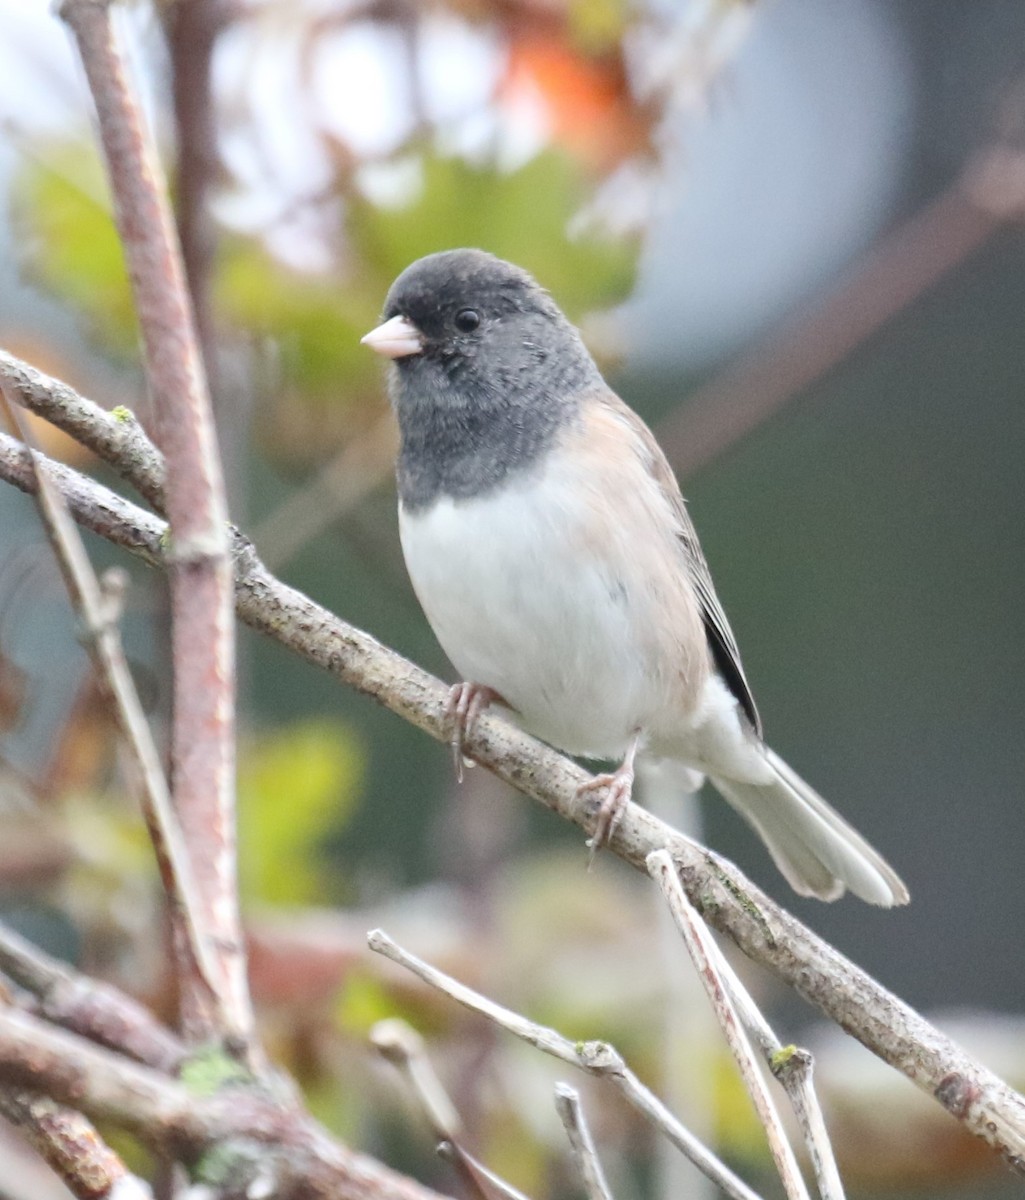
{"x":817,"y":851}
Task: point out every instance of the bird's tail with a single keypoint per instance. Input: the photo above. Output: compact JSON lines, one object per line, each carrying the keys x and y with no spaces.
{"x":817,"y":851}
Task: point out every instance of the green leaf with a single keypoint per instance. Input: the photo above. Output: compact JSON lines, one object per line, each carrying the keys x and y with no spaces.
{"x":295,"y":787}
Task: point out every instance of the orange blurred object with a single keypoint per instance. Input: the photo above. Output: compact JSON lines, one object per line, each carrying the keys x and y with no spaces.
{"x":586,"y":101}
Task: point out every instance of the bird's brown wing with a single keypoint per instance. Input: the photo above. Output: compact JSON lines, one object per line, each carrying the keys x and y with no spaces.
{"x":721,"y":641}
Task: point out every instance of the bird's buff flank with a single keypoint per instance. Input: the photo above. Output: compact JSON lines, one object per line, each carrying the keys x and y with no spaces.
{"x":552,"y":552}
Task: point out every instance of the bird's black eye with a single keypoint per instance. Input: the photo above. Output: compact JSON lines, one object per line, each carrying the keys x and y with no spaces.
{"x":467,"y":320}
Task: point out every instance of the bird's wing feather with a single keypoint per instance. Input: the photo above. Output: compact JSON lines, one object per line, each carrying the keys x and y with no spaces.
{"x":722,"y":643}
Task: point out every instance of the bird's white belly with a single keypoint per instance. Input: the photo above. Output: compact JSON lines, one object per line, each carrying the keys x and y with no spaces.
{"x":520,"y":603}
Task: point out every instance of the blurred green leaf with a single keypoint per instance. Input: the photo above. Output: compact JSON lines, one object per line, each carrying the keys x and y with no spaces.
{"x":364,"y":1000}
{"x":521,"y":215}
{"x":297,"y":786}
{"x":315,"y":320}
{"x":69,"y":240}
{"x":598,"y":25}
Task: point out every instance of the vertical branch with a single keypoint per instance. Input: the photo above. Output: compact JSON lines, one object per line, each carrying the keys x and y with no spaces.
{"x":202,"y":634}
{"x":192,"y":30}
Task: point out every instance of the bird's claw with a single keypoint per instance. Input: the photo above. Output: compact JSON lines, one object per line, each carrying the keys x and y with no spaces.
{"x":618,"y":787}
{"x":466,"y":701}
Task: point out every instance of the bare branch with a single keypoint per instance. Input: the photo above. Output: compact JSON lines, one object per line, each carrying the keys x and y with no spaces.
{"x":724,"y":897}
{"x":791,"y":1065}
{"x":256,"y":1135}
{"x":485,"y":1183}
{"x":895,"y":272}
{"x":69,"y":1143}
{"x":596,"y":1058}
{"x":202,"y":633}
{"x":399,"y":1043}
{"x":699,"y":945}
{"x":94,"y":1010}
{"x":987,"y":195}
{"x":568,"y":1106}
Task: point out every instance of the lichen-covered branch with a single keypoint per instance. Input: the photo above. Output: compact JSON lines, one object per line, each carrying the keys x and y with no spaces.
{"x":237,"y":1135}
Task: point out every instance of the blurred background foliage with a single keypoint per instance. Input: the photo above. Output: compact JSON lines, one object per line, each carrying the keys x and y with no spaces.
{"x":702,"y":186}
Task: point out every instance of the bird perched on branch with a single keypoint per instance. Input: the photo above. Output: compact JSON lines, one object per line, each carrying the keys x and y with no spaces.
{"x":551,"y":550}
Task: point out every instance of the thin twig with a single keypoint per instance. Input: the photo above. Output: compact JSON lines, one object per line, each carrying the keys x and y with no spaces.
{"x":733,"y":1003}
{"x":399,"y":1043}
{"x":571,"y":1112}
{"x":596,"y":1058}
{"x":70,"y":1145}
{"x":85,"y":1006}
{"x":660,"y":866}
{"x":99,"y":630}
{"x":485,"y":1182}
{"x":202,"y":630}
{"x":729,"y":901}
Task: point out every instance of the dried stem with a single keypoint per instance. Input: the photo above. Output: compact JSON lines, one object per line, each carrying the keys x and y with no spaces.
{"x":193,"y":27}
{"x":486,"y":1184}
{"x":725,"y":898}
{"x":202,"y":635}
{"x":596,"y":1058}
{"x":571,"y":1113}
{"x":399,"y":1043}
{"x":733,"y":1003}
{"x":698,"y":943}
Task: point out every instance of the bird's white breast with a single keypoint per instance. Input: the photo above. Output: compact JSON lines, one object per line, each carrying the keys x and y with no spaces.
{"x":541,"y":591}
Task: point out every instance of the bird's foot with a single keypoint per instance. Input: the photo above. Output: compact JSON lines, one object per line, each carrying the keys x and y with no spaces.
{"x":466,"y":702}
{"x":618,"y":786}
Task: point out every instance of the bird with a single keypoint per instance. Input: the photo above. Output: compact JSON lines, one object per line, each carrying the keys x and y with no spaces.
{"x":551,"y":550}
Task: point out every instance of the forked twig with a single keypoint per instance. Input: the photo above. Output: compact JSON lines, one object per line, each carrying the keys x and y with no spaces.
{"x":597,"y":1058}
{"x":734,"y":1008}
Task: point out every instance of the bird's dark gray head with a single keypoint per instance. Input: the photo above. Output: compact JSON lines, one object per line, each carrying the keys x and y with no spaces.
{"x":486,"y":371}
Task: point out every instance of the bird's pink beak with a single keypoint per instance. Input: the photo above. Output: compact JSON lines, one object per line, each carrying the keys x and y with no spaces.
{"x":396,"y":338}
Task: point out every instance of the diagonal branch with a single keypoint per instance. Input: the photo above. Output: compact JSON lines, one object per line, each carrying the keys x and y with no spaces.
{"x":255,"y":1136}
{"x":202,"y":630}
{"x":72,"y":1148}
{"x":763,"y":930}
{"x":596,"y":1058}
{"x":85,"y":1006}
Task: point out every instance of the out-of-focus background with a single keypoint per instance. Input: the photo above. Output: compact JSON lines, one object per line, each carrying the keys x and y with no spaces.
{"x":791,"y":232}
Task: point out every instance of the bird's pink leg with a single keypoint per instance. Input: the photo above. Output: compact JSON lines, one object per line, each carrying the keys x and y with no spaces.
{"x":466,"y":701}
{"x":619,"y":785}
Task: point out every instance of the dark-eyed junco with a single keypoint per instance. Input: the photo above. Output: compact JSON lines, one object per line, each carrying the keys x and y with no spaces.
{"x":551,"y":550}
